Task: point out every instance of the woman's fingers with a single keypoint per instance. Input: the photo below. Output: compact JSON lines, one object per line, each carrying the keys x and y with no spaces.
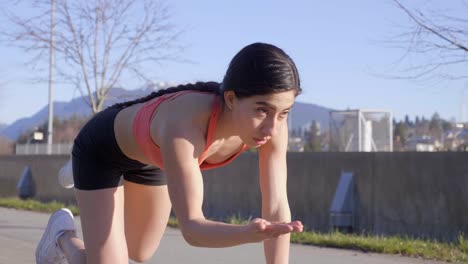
{"x":260,"y":224}
{"x":275,"y":230}
{"x":297,"y":226}
{"x":266,"y":229}
{"x":296,"y":223}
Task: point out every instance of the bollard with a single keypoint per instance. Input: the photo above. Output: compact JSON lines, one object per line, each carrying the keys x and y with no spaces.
{"x":26,"y":185}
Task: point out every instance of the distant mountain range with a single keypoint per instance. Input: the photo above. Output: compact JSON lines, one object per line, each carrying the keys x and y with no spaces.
{"x":302,"y":113}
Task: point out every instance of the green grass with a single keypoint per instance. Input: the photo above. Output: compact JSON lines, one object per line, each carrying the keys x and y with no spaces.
{"x":433,"y":250}
{"x":33,"y":205}
{"x":238,"y":220}
{"x":173,"y":222}
{"x":453,"y":252}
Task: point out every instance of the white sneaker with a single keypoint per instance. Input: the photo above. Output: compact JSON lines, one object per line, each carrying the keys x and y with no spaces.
{"x":48,"y":250}
{"x":65,"y":175}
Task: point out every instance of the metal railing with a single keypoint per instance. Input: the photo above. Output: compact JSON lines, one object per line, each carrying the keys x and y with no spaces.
{"x":41,"y":149}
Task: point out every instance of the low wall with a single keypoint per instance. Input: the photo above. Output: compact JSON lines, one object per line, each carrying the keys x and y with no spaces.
{"x":44,"y":169}
{"x":406,"y":193}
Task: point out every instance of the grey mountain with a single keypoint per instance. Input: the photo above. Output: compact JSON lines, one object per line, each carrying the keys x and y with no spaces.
{"x":2,"y":126}
{"x":65,"y":110}
{"x":302,"y":113}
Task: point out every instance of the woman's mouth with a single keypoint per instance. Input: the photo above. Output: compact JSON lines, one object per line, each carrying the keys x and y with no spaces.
{"x":260,"y":141}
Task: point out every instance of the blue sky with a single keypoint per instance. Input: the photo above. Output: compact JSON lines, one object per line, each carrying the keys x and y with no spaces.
{"x":337,"y":47}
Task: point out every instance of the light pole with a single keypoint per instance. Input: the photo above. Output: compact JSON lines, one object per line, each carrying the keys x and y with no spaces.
{"x":51,"y":78}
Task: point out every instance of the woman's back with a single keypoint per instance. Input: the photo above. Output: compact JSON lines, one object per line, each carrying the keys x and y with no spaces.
{"x":193,"y":109}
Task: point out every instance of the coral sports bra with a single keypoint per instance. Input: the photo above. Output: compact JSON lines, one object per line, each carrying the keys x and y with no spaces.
{"x":142,"y":123}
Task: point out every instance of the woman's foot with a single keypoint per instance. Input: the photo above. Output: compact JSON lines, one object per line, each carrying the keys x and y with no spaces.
{"x":48,"y":250}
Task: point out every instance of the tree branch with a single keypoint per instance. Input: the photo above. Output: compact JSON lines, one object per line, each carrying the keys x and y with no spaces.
{"x":102,"y":40}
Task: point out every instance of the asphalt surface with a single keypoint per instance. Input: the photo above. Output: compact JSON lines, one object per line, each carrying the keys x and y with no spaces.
{"x":20,"y":231}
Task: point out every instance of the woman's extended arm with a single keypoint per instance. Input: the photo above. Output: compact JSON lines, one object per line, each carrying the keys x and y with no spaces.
{"x":181,"y":147}
{"x":275,"y":206}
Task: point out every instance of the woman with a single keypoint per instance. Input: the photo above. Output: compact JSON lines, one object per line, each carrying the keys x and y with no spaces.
{"x":159,"y":144}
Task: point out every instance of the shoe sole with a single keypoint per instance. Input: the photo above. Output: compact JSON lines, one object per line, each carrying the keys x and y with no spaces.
{"x":46,"y":235}
{"x":65,"y":176}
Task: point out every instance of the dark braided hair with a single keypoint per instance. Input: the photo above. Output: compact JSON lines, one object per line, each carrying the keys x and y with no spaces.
{"x":212,"y":87}
{"x":257,"y":69}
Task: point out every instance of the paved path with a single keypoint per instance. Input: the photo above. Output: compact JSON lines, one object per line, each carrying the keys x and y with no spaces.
{"x":20,"y":231}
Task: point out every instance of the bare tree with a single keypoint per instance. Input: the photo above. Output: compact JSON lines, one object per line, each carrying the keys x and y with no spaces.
{"x":435,"y":43}
{"x":97,"y":42}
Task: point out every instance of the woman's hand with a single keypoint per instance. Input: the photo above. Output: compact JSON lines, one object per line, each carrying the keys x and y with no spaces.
{"x":260,"y":229}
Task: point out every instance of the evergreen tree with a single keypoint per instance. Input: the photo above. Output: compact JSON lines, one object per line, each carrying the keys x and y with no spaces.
{"x":407,"y":120}
{"x":401,"y":130}
{"x":313,"y":139}
{"x":435,"y":126}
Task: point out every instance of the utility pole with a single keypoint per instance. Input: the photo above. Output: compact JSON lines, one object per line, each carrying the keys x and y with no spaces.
{"x":51,"y":78}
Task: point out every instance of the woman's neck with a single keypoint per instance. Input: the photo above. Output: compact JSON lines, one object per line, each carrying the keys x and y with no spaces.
{"x":225,"y":129}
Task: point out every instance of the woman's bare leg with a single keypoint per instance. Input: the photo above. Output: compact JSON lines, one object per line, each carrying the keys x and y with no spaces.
{"x":72,"y":247}
{"x":147,"y":210}
{"x":102,"y":222}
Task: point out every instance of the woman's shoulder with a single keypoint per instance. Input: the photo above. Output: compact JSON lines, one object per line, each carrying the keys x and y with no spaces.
{"x":190,"y":104}
{"x":186,"y":111}
{"x":185,"y":116}
{"x":196,"y":98}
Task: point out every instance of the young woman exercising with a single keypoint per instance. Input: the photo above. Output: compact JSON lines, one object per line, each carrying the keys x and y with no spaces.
{"x":160,"y":144}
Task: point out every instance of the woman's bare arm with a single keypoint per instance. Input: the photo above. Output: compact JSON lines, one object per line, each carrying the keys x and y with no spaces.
{"x":181,"y":146}
{"x":275,"y":206}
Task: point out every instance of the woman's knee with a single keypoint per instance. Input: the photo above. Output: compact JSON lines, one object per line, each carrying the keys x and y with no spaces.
{"x":140,"y":254}
{"x":141,"y":250}
{"x":147,"y":210}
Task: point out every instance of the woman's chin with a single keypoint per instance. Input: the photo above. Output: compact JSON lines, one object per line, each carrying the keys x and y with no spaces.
{"x":254,"y":144}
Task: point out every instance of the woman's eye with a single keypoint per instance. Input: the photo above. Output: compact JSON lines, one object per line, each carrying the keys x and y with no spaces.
{"x":284,"y":115}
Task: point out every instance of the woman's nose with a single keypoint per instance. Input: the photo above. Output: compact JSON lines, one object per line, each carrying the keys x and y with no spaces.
{"x":269,"y":127}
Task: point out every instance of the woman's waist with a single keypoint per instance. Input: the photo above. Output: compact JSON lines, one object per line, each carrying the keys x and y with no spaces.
{"x":124,"y":134}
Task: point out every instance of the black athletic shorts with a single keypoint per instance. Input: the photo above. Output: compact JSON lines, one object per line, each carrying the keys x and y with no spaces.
{"x":99,"y":163}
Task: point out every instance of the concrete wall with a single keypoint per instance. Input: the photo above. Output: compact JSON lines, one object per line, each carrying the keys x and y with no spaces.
{"x":406,"y":193}
{"x":44,"y":170}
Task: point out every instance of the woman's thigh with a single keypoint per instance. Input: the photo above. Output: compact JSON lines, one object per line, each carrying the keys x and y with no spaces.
{"x":102,"y":222}
{"x":147,"y":210}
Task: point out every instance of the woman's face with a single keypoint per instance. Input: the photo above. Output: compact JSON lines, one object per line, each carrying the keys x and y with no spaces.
{"x":259,"y":118}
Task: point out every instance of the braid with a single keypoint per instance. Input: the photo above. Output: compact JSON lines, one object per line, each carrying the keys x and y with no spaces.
{"x":212,"y":87}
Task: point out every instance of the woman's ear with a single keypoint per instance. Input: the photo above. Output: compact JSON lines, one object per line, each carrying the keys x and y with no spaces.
{"x":229,"y":99}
